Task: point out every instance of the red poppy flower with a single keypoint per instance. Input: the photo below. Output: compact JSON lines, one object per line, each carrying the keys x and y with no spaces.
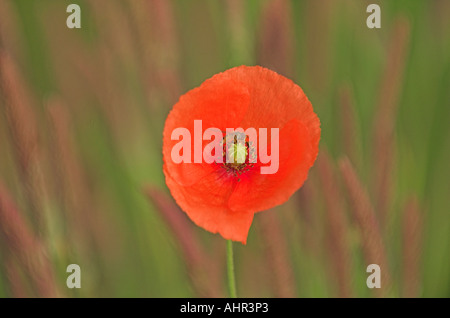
{"x":220,"y":197}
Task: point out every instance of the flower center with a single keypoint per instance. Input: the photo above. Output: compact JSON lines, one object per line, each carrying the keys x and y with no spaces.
{"x":238,"y":154}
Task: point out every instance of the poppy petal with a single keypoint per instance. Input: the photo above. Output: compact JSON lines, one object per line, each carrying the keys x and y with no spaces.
{"x":205,"y":204}
{"x":219,"y":102}
{"x":295,"y":159}
{"x":275,"y":100}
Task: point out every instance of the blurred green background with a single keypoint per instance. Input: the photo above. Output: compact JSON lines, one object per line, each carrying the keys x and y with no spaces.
{"x":82,"y":114}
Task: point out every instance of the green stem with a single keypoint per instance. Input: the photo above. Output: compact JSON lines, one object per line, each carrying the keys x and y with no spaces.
{"x":230,"y":267}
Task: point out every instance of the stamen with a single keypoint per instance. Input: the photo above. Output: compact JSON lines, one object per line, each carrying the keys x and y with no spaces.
{"x":238,"y":155}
